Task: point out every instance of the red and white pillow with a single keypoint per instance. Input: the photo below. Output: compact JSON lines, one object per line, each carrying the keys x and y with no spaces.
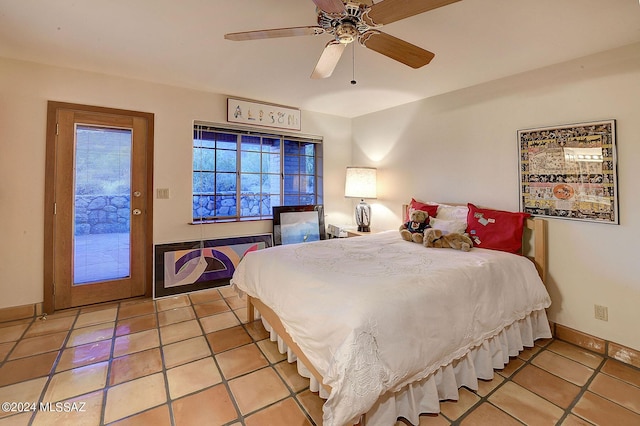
{"x":496,"y":229}
{"x":430,"y":208}
{"x":456,"y":213}
{"x":448,"y":226}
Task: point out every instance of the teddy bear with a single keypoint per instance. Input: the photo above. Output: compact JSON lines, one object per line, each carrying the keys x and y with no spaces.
{"x":414,"y":228}
{"x":434,"y":238}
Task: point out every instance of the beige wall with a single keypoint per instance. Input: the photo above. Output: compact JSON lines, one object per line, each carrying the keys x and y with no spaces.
{"x":462,"y":147}
{"x":456,"y":147}
{"x":25,"y":89}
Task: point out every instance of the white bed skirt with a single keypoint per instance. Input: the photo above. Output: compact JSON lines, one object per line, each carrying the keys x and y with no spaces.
{"x":424,"y":396}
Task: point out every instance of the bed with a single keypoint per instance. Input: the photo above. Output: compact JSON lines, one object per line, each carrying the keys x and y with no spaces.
{"x":386,"y":328}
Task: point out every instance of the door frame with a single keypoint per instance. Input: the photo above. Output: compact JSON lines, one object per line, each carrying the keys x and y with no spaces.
{"x":50,"y":196}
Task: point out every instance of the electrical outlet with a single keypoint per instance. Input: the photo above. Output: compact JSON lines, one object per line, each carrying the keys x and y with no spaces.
{"x":601,"y":312}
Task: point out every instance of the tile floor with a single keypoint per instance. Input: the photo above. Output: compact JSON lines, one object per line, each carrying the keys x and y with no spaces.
{"x":193,"y":360}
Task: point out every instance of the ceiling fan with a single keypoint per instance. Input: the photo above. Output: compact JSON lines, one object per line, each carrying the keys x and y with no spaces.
{"x":347,"y":21}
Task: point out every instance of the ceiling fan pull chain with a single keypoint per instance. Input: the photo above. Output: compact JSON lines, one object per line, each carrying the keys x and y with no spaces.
{"x":353,"y":54}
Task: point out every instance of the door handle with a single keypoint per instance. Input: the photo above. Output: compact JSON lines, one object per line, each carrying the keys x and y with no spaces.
{"x":137,"y":212}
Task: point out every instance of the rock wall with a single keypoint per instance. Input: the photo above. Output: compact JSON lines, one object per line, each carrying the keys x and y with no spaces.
{"x":102,"y":214}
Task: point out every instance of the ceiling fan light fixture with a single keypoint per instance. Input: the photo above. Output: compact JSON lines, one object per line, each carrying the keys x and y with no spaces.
{"x":346,"y":32}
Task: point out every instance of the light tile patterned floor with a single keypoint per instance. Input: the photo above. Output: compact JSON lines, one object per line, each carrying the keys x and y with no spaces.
{"x":193,"y":360}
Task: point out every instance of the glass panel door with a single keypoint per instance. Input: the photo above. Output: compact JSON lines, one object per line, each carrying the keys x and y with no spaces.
{"x":102,"y":204}
{"x":99,"y":209}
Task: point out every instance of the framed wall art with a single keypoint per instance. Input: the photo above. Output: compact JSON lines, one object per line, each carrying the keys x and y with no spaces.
{"x":298,"y":224}
{"x":198,"y":265}
{"x":262,"y":114}
{"x":569,"y":171}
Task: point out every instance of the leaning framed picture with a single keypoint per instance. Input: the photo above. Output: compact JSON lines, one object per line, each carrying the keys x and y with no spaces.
{"x":298,"y":224}
{"x":569,"y":171}
{"x":198,"y":265}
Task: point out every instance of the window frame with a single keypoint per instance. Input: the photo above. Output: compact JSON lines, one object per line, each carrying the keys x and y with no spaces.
{"x":310,"y":194}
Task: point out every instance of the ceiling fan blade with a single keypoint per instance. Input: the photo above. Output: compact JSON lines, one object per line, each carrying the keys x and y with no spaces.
{"x":274,"y":33}
{"x":330,"y":6}
{"x":328,"y":60}
{"x":394,"y":48}
{"x":388,"y":11}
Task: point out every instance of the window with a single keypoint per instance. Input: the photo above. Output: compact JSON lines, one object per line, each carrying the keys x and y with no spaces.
{"x":241,"y":174}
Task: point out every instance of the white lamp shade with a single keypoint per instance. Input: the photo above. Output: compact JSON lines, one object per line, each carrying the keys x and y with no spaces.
{"x":360,"y":182}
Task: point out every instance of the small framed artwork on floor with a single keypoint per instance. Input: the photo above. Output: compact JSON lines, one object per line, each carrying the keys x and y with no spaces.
{"x":298,"y":224}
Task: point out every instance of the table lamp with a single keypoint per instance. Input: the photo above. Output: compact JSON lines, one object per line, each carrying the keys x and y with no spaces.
{"x":361,"y":183}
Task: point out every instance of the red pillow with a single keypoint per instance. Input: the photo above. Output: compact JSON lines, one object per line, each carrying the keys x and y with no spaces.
{"x":496,"y":229}
{"x":431,"y":209}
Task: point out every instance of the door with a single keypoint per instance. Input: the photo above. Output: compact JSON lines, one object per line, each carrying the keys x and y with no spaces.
{"x":98,"y":243}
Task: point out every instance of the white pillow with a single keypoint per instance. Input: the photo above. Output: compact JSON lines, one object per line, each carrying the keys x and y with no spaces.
{"x":448,"y":226}
{"x":447,"y":212}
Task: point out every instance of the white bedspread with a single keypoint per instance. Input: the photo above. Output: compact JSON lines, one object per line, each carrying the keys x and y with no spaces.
{"x":376,"y":313}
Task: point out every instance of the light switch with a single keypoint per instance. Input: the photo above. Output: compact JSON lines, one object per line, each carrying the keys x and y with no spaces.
{"x":162,"y":193}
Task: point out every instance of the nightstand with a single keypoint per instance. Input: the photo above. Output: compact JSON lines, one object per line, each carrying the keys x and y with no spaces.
{"x":346,"y":231}
{"x":356,"y":233}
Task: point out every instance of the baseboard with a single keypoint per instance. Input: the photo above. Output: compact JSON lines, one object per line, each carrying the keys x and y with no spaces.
{"x":596,"y":344}
{"x":20,"y":312}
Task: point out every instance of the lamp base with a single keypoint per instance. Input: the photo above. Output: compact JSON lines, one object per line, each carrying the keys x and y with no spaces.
{"x":363,"y":216}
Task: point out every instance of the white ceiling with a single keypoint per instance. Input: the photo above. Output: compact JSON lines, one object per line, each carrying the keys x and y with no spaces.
{"x":180,"y":42}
